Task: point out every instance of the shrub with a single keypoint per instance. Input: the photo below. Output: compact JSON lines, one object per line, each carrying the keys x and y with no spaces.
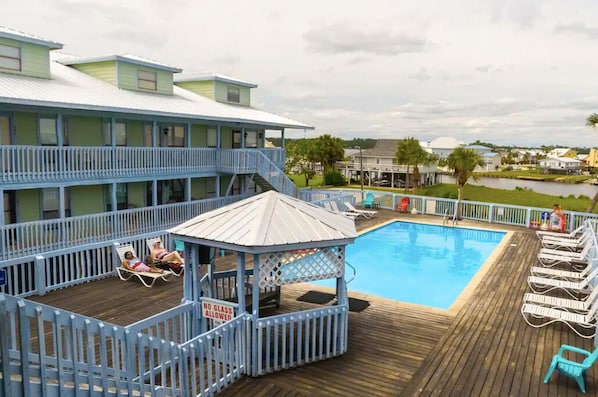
{"x":334,"y":178}
{"x":583,"y":197}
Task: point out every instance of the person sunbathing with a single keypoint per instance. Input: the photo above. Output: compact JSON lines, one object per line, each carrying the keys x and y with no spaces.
{"x":161,"y":254}
{"x":135,"y":265}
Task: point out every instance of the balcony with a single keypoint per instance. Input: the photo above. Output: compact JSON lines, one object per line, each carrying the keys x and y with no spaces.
{"x":22,"y":166}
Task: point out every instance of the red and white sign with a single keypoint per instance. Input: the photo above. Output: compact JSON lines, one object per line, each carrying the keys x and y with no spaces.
{"x":220,"y":312}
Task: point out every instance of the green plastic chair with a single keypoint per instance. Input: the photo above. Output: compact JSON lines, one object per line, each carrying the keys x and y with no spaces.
{"x":570,"y":368}
{"x":369,"y":200}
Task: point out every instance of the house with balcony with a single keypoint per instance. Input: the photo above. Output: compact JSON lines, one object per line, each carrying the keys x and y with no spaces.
{"x":378,"y":167}
{"x":94,"y":150}
{"x":560,"y":165}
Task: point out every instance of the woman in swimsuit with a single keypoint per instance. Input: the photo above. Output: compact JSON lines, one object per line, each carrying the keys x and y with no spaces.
{"x":161,"y":254}
{"x":134,"y":264}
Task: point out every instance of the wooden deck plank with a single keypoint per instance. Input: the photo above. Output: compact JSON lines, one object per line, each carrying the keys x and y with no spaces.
{"x":485,"y":349}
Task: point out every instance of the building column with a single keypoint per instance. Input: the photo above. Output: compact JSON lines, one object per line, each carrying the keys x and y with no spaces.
{"x":154,"y":133}
{"x":113,"y":200}
{"x":2,"y":208}
{"x":218,"y":138}
{"x":282,"y":143}
{"x":243,"y":137}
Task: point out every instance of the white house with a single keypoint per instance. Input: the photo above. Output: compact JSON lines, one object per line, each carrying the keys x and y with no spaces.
{"x":491,"y":162}
{"x":561,"y":164}
{"x":443,"y":146}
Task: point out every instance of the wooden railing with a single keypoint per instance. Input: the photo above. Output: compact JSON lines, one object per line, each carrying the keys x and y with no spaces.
{"x":22,"y":164}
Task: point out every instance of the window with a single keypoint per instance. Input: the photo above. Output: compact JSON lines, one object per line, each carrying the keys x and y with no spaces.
{"x":51,"y":203}
{"x":120,"y":129}
{"x":173,"y":135}
{"x":251,"y":139}
{"x":233,"y":94}
{"x":212,"y":137}
{"x":10,"y":57}
{"x":147,"y":135}
{"x":122,"y":196}
{"x":5,"y":138}
{"x":211,"y":187}
{"x":236,"y":139}
{"x":10,"y":214}
{"x":47,"y":131}
{"x":147,"y":80}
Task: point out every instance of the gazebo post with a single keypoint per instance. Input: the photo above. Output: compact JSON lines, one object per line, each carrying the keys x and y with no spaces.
{"x":189,"y":274}
{"x":241,"y":282}
{"x":255,"y":312}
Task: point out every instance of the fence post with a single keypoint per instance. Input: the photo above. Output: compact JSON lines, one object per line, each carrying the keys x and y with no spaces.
{"x":528,"y":217}
{"x":40,"y":279}
{"x":491,"y":213}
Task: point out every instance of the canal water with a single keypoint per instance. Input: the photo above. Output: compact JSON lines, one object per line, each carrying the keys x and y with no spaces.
{"x":551,"y":188}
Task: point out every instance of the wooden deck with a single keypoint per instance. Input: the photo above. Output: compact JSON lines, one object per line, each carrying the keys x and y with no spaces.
{"x":484,"y":349}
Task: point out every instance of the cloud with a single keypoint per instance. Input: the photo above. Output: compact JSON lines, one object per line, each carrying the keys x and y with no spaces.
{"x":521,"y":13}
{"x":421,"y":75}
{"x":341,"y":38}
{"x":577,"y":28}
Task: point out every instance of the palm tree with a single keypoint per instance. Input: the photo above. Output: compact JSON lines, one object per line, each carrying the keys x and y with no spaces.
{"x":592,"y":122}
{"x":463,"y":161}
{"x":410,"y":153}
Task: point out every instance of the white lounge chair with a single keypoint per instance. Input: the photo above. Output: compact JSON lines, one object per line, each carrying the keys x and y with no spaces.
{"x":329,"y":206}
{"x":578,"y":305}
{"x":567,"y":243}
{"x":541,"y":285}
{"x":365,"y":213}
{"x":147,"y":278}
{"x":583,"y":325}
{"x":568,"y":275}
{"x":574,"y":233}
{"x":150,"y":243}
{"x":550,"y":257}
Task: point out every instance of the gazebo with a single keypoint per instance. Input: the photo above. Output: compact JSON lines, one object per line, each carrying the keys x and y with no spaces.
{"x":288,"y":241}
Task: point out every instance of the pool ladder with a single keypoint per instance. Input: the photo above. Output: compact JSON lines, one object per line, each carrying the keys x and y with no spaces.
{"x":354,"y":272}
{"x":445,"y":218}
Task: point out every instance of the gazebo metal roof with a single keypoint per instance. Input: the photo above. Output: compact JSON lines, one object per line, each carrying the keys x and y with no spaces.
{"x":268,"y":222}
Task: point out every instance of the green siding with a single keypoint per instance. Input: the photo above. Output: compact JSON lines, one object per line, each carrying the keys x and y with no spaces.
{"x":221,"y":92}
{"x":199,"y":136}
{"x":137,"y":194}
{"x":85,"y":131}
{"x":29,"y":205}
{"x":35,"y":59}
{"x":203,"y":88}
{"x":87,"y":200}
{"x":198,"y":189}
{"x":127,"y":78}
{"x":134,"y":133}
{"x":26,"y":128}
{"x":105,"y":70}
{"x":226,"y":138}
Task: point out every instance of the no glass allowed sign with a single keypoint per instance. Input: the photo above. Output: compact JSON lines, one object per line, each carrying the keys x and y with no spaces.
{"x":219,"y":312}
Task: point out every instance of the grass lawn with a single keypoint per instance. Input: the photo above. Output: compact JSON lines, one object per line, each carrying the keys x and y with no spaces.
{"x":299,"y":180}
{"x":536,"y":175}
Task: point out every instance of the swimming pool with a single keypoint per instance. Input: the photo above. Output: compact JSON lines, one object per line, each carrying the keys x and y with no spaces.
{"x":419,"y":263}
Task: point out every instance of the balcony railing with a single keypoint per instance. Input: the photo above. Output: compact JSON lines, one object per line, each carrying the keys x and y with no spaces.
{"x":34,"y":238}
{"x":31,"y":164}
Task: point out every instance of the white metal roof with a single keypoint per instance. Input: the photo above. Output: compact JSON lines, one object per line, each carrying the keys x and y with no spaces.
{"x":211,"y":76}
{"x":444,"y":142}
{"x":268,"y":220}
{"x":130,"y":58}
{"x":27,"y":38}
{"x":70,"y":88}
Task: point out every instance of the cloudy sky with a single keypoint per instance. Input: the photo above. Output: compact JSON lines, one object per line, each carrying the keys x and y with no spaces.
{"x":519,"y":72}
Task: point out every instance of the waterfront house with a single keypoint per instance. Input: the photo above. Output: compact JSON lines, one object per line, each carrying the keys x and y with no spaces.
{"x":442,"y":146}
{"x":95,"y":150}
{"x":491,"y":160}
{"x":560,"y":165}
{"x":591,"y":161}
{"x":562,"y":152}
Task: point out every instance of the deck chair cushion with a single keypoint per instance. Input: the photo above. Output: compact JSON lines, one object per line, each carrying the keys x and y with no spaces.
{"x":147,"y":278}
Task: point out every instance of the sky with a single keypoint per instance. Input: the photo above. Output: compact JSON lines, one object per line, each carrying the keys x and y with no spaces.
{"x":508,"y":72}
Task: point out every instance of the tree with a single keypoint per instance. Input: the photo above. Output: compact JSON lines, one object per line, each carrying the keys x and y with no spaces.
{"x":300,"y":158}
{"x":328,"y":151}
{"x":592,"y":122}
{"x":463,"y":161}
{"x":410,"y":153}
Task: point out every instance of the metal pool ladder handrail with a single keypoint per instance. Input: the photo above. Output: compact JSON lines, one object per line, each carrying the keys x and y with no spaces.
{"x":354,"y":272}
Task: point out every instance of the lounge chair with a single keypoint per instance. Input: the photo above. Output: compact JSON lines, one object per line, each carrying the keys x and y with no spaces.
{"x":403,"y":206}
{"x":550,"y":257}
{"x":545,"y":233}
{"x":368,"y":202}
{"x":583,"y":325}
{"x":570,"y":368}
{"x":577,"y":305}
{"x":569,"y":275}
{"x":571,"y":244}
{"x":364,"y":213}
{"x":177,"y":269}
{"x":542,"y":285}
{"x":332,"y":207}
{"x":147,"y":278}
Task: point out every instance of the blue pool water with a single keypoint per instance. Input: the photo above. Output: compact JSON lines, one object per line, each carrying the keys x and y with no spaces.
{"x":412,"y":262}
